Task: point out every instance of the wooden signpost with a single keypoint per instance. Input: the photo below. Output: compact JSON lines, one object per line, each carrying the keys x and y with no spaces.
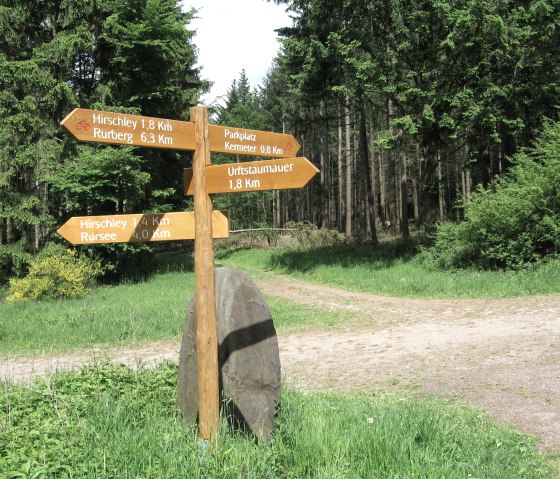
{"x":281,"y":174}
{"x":205,"y":286}
{"x":201,"y":181}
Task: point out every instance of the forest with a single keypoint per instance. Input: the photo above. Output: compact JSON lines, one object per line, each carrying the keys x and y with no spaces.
{"x":434,"y":117}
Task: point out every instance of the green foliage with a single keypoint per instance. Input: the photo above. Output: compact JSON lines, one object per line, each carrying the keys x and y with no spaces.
{"x":448,"y":86}
{"x":113,"y":422}
{"x":13,"y":260}
{"x":137,"y":36}
{"x":99,"y":178}
{"x":242,"y":107}
{"x":513,"y":222}
{"x":56,"y":56}
{"x":450,"y":250}
{"x":55,"y":274}
{"x":309,"y":236}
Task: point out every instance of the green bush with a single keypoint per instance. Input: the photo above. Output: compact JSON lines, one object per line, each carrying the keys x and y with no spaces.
{"x":56,"y":273}
{"x":513,"y":222}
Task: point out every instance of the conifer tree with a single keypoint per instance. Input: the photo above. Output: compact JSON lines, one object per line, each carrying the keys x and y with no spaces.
{"x":133,"y":56}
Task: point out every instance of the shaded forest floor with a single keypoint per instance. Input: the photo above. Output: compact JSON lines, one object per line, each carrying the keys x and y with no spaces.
{"x":502,"y":355}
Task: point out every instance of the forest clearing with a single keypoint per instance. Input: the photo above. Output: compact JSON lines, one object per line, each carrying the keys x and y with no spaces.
{"x":392,"y":186}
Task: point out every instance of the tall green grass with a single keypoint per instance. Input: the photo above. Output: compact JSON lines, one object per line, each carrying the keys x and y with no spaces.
{"x":112,"y":422}
{"x":394,"y":269}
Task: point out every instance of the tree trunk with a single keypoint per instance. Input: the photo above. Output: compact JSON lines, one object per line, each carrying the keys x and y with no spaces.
{"x":3,"y":231}
{"x":373,"y":169}
{"x":325,"y":165}
{"x":441,"y":189}
{"x":364,"y":160}
{"x":10,"y":231}
{"x":348,"y":226}
{"x":415,"y":201}
{"x":404,"y":199}
{"x":382,"y":189}
{"x":340,"y":164}
{"x":392,"y":179}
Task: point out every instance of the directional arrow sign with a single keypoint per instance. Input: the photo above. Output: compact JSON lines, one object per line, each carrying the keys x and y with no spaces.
{"x":123,"y":129}
{"x":138,"y":228}
{"x":225,"y":139}
{"x":281,"y":174}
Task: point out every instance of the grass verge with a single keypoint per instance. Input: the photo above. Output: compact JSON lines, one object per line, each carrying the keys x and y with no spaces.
{"x":112,"y":422}
{"x":392,"y":269}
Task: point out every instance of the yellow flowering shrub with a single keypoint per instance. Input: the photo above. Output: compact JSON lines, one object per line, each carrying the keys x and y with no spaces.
{"x":62,"y":276}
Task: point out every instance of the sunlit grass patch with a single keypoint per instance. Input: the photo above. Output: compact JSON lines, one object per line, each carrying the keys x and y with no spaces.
{"x":394,"y":270}
{"x":127,"y":314}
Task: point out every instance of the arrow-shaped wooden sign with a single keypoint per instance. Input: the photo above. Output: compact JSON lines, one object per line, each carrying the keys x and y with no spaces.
{"x":239,"y":141}
{"x":280,"y":174}
{"x":124,"y":129}
{"x":138,"y":228}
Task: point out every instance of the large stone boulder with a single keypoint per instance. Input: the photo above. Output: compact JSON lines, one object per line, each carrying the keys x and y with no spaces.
{"x":248,"y":357}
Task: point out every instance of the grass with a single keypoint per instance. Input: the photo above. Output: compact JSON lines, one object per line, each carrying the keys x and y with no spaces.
{"x":393,"y":269}
{"x":126,"y":314}
{"x":291,"y":316}
{"x":112,"y":422}
{"x":109,"y":421}
{"x":153,"y":308}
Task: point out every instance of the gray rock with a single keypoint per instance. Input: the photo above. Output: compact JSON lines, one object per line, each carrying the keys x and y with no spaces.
{"x":248,"y":357}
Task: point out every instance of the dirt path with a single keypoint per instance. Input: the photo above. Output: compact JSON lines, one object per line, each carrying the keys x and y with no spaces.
{"x":501,"y":355}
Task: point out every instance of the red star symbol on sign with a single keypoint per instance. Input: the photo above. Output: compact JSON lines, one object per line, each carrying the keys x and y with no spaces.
{"x":288,"y":147}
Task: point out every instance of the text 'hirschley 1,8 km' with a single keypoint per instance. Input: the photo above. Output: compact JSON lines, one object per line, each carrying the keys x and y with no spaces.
{"x":124,"y":129}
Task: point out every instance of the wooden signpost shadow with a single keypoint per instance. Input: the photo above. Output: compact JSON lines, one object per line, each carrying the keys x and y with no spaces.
{"x":202,"y":180}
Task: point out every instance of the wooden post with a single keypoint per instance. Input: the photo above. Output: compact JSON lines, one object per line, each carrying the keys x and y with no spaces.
{"x":206,"y":325}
